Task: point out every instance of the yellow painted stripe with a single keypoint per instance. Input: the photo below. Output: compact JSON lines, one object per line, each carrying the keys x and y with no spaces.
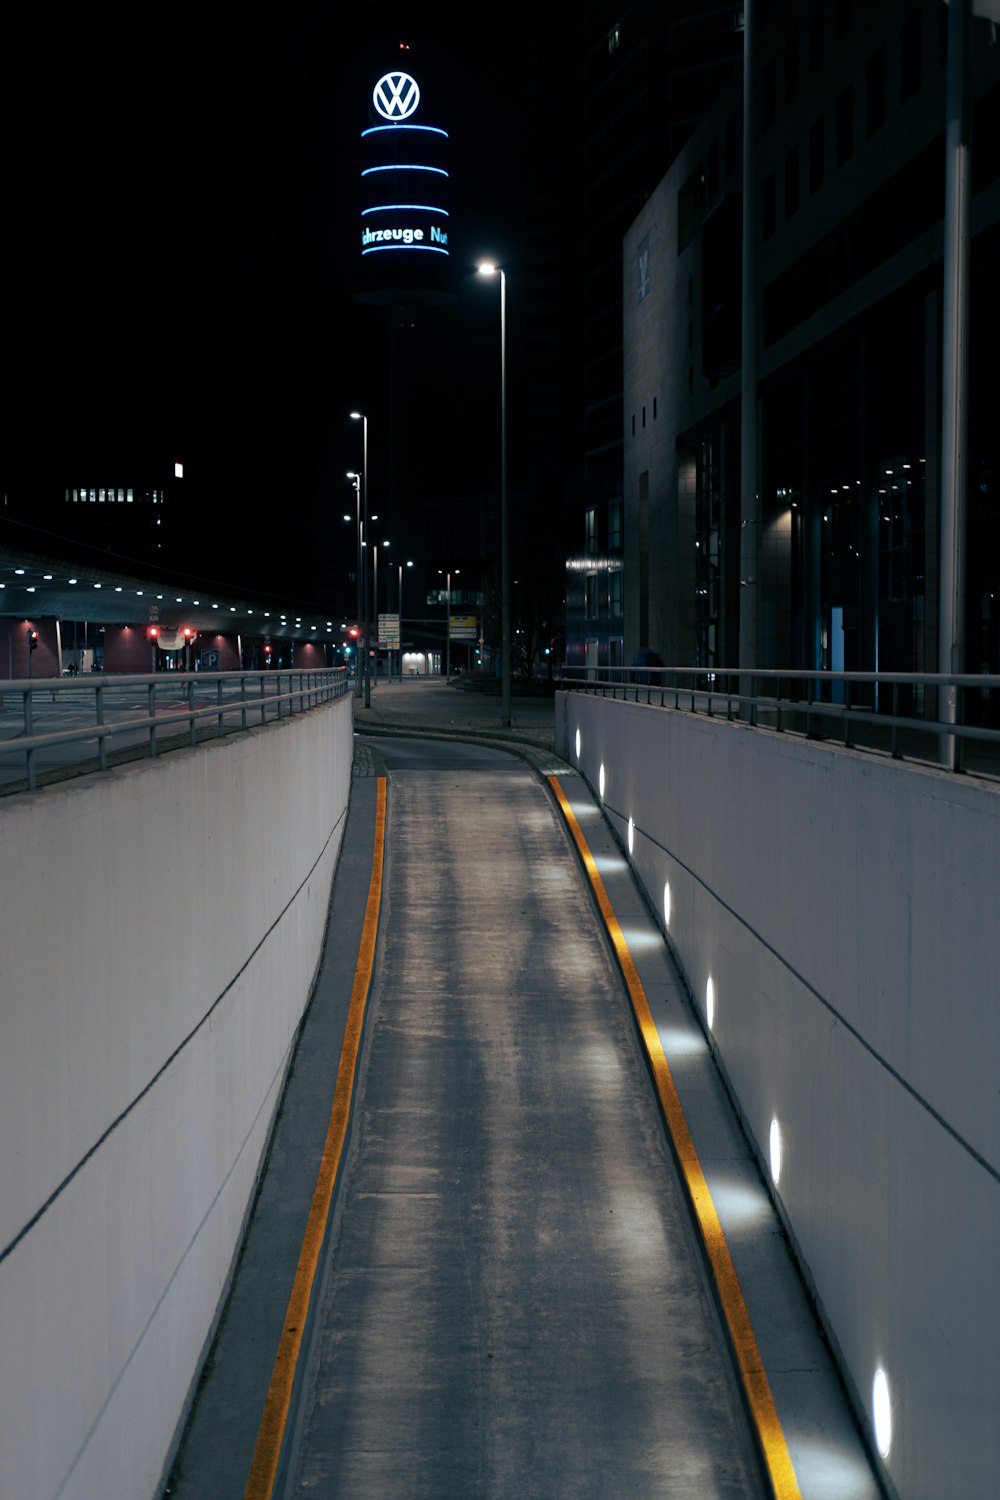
{"x":264,"y":1466}
{"x":755,"y":1383}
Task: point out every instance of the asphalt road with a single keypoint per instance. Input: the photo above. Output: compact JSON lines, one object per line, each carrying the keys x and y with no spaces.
{"x":514,"y":1304}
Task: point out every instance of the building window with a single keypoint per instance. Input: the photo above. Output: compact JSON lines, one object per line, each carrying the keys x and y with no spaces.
{"x":590,"y":596}
{"x":910,"y":56}
{"x":642,"y":278}
{"x":615,"y":591}
{"x":816,"y":38}
{"x":615,"y":37}
{"x":845,"y":125}
{"x":590,"y":530}
{"x":816,"y":153}
{"x":875,"y":93}
{"x":792,"y":182}
{"x":768,"y":95}
{"x":614,"y":526}
{"x":770,"y":204}
{"x":791,"y":66}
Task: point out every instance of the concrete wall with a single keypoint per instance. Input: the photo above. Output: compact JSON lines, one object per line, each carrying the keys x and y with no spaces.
{"x":845,"y":910}
{"x":161,"y":930}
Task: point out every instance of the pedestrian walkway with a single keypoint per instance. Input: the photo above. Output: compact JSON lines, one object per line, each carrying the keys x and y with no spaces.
{"x":513,"y":1299}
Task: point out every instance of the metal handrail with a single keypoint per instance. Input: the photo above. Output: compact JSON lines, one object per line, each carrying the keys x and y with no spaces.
{"x":862,"y":709}
{"x":170,"y":704}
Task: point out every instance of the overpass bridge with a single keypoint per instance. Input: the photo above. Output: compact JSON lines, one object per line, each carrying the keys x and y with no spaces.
{"x":663,"y":1163}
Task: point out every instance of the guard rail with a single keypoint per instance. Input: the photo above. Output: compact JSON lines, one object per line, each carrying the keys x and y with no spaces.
{"x":950,"y":721}
{"x":142,"y":713}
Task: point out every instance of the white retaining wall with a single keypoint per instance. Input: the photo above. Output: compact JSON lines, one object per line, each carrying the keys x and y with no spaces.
{"x":161,"y":928}
{"x":845,"y":909}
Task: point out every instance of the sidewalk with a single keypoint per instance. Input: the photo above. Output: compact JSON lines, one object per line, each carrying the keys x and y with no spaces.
{"x":431,"y":705}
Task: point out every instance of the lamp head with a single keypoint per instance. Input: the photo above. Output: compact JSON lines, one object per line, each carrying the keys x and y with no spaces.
{"x":486,"y":268}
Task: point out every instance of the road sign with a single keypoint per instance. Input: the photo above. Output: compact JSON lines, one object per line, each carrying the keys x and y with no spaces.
{"x":463,"y":627}
{"x":388,"y":631}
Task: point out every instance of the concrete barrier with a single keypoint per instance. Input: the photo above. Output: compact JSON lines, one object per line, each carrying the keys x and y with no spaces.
{"x":161,"y":931}
{"x":838,"y":913}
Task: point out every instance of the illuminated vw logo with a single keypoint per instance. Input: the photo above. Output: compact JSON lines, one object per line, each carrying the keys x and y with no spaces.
{"x":396,"y":96}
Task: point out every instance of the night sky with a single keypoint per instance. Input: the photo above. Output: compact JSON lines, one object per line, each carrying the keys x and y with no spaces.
{"x":180,"y":244}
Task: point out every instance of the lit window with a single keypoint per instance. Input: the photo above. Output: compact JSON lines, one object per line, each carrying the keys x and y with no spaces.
{"x":614,"y":37}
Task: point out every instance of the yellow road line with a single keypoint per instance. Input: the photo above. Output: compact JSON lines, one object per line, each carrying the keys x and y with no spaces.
{"x":755,"y":1383}
{"x":264,"y":1466}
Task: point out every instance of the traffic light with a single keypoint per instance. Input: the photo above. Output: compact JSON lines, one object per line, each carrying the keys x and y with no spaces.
{"x":188,"y":633}
{"x":152,"y":632}
{"x":32,"y":640}
{"x":354,"y":631}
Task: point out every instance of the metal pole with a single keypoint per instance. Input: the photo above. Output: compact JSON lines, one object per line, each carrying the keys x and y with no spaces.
{"x":505,"y":664}
{"x":447,"y":635}
{"x":375,"y":604}
{"x":954,"y":412}
{"x":357,"y":663}
{"x":365,"y":632}
{"x":749,"y":498}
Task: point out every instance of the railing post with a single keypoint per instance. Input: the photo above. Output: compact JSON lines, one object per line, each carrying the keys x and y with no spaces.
{"x":151,"y":707}
{"x":102,"y":743}
{"x":243,"y":701}
{"x":894,"y":737}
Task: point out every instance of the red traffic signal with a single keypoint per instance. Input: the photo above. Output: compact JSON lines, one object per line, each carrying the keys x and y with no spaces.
{"x":152,"y":631}
{"x":354,"y":631}
{"x":32,"y":640}
{"x":188,"y":633}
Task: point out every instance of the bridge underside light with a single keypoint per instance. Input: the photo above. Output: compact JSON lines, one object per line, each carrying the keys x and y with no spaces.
{"x":710,"y":1003}
{"x":600,"y":781}
{"x":578,"y":744}
{"x":666,"y":904}
{"x":631,"y":835}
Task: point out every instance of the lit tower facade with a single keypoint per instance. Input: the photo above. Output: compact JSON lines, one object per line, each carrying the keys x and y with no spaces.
{"x":405,"y":208}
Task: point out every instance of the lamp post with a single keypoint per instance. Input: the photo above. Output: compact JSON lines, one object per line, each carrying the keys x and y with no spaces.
{"x":359,"y":416}
{"x":399,"y":602}
{"x":375,"y":607}
{"x":442,"y":573}
{"x":487,"y":268}
{"x":356,"y":482}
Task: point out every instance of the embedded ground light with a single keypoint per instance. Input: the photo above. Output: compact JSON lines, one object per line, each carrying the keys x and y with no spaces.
{"x":775,"y":1151}
{"x":882,"y":1411}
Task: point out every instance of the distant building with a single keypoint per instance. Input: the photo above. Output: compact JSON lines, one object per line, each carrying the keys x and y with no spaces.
{"x":850,"y":162}
{"x":650,"y":73}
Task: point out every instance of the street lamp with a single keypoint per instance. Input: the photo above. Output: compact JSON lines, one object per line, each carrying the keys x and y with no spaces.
{"x":359,"y":416}
{"x":487,"y":268}
{"x":447,"y":628}
{"x":399,"y":601}
{"x":356,"y":482}
{"x":375,"y":610}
